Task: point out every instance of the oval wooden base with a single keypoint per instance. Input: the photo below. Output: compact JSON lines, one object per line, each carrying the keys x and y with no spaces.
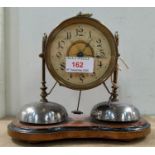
{"x":79,"y":128}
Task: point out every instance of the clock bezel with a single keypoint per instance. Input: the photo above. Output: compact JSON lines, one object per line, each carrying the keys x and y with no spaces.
{"x":107,"y":33}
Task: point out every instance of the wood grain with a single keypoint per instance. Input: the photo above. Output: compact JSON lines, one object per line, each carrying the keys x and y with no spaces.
{"x":79,"y":128}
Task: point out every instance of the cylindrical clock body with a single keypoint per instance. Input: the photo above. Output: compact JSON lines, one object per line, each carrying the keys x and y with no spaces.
{"x":81,"y":37}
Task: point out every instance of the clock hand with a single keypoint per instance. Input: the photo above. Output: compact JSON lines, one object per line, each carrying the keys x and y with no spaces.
{"x":81,"y":51}
{"x":87,"y":44}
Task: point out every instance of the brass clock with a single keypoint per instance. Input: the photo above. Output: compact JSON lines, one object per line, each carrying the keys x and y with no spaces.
{"x":83,"y":37}
{"x":80,"y":53}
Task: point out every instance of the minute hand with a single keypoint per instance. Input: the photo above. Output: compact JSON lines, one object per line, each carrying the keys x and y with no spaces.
{"x":87,"y":44}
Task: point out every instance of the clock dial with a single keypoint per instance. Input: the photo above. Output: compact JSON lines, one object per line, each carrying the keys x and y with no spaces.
{"x":81,"y":37}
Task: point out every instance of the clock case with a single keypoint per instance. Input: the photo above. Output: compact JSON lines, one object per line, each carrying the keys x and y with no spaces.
{"x":48,"y":121}
{"x":96,"y":24}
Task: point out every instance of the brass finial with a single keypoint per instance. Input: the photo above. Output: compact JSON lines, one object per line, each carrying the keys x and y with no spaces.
{"x":117,"y":38}
{"x":84,"y":14}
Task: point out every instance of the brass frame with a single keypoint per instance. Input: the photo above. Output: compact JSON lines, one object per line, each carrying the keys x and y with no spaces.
{"x":97,"y":25}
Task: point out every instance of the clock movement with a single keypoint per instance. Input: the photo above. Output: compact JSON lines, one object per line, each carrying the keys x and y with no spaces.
{"x":80,"y":54}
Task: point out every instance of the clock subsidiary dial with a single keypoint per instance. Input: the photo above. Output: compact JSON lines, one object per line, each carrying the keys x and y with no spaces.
{"x":85,"y":38}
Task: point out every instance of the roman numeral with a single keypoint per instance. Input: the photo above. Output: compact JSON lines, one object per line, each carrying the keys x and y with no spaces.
{"x":90,"y":34}
{"x":69,"y":35}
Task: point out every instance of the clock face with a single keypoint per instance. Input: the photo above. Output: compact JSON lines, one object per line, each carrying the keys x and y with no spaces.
{"x":82,"y":38}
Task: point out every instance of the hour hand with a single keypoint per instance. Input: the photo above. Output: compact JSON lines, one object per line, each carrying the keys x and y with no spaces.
{"x":81,"y":51}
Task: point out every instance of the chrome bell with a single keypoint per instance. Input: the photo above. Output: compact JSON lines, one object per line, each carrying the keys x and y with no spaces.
{"x":43,"y":113}
{"x":115,"y":112}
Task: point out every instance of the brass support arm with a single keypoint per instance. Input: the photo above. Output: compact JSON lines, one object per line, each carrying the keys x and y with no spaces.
{"x":43,"y":87}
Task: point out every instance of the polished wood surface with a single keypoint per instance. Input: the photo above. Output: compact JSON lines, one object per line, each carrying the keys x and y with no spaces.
{"x":82,"y":127}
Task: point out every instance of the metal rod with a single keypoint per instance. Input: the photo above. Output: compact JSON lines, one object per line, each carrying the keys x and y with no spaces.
{"x":115,"y":74}
{"x":106,"y":88}
{"x":77,"y":111}
{"x":79,"y":100}
{"x":52,"y":88}
{"x":43,"y":87}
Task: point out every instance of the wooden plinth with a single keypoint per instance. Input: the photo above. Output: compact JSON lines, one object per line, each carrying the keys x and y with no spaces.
{"x":81,"y":127}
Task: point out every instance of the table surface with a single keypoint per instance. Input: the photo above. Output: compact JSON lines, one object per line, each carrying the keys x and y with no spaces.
{"x":149,"y":141}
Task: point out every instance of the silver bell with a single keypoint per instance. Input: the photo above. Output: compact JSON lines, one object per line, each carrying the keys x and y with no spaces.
{"x":42,"y":113}
{"x":115,"y":112}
